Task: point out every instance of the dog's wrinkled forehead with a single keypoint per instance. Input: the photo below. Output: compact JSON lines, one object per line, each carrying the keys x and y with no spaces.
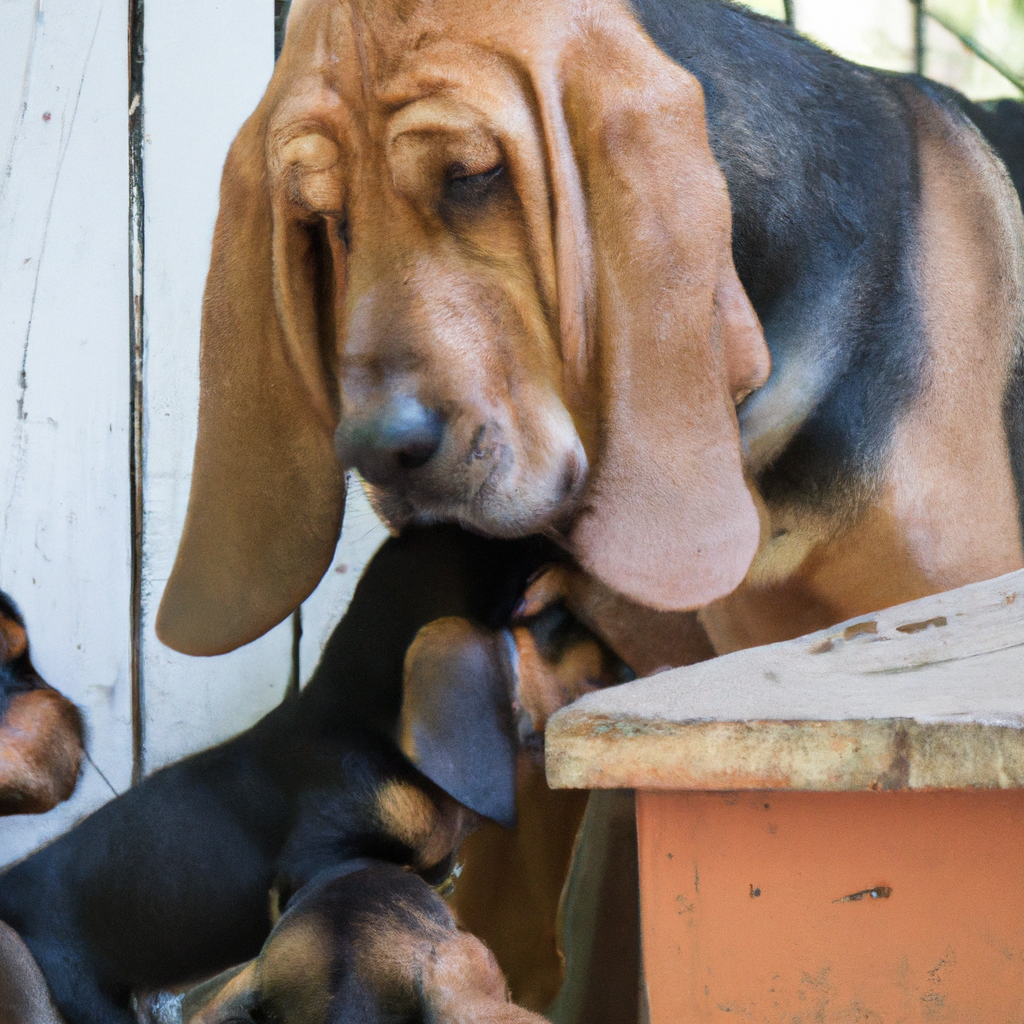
{"x":385,"y":33}
{"x":368,"y":82}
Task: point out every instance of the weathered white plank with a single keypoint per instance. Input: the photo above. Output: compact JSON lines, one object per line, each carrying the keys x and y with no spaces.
{"x":928,"y":694}
{"x":64,"y":551}
{"x":205,"y":70}
{"x":17,"y":22}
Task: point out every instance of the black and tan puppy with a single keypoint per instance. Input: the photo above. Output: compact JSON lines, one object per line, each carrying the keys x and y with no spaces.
{"x":170,"y":882}
{"x":367,"y":943}
{"x":40,"y":730}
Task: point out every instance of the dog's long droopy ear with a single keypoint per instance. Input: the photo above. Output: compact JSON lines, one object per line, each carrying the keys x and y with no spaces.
{"x":457,"y":725}
{"x":267,"y":493}
{"x":667,"y":519}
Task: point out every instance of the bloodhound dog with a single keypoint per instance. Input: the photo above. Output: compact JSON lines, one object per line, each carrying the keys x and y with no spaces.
{"x":491,"y":255}
{"x":739,"y":323}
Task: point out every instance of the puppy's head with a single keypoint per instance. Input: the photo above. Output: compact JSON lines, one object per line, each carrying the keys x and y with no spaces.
{"x":481,"y":253}
{"x":41,"y":733}
{"x":472,"y":697}
{"x":366,"y":944}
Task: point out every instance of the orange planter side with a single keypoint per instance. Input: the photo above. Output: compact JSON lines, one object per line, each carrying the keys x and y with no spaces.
{"x":748,"y":916}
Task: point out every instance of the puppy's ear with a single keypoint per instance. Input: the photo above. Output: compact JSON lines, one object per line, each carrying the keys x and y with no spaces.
{"x":463,"y":984}
{"x":653,"y":316}
{"x":456,"y":725}
{"x":267,"y":493}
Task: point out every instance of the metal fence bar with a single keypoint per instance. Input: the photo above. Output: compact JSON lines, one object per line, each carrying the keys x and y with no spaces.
{"x":788,"y":7}
{"x":919,"y":41}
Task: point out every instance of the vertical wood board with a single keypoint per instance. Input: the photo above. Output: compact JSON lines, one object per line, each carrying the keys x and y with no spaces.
{"x":64,"y":545}
{"x":17,"y":24}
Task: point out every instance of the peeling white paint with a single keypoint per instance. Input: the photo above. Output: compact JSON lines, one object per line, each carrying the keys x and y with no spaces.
{"x":64,"y":551}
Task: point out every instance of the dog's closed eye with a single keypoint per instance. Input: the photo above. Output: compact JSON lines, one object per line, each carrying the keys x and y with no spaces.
{"x":465,"y":190}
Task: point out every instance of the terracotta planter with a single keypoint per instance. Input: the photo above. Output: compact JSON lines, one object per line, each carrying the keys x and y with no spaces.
{"x":832,"y":829}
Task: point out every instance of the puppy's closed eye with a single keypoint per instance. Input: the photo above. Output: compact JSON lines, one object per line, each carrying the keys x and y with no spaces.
{"x":557,"y":660}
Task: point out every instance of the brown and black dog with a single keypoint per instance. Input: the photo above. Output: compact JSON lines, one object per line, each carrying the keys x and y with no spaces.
{"x":41,"y":733}
{"x":365,"y":942}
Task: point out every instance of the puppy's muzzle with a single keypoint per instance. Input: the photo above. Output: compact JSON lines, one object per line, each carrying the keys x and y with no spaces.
{"x":390,"y":441}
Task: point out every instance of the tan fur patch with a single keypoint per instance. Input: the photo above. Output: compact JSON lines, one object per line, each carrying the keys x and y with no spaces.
{"x":547,"y":586}
{"x":406,"y":812}
{"x":543,"y":687}
{"x":432,"y":824}
{"x":294,"y":971}
{"x":213,"y":1001}
{"x":40,"y":752}
{"x":463,"y":985}
{"x":864,"y":568}
{"x":949,"y":481}
{"x":13,"y":640}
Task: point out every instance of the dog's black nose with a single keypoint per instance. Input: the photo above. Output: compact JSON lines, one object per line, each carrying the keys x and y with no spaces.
{"x":399,"y":436}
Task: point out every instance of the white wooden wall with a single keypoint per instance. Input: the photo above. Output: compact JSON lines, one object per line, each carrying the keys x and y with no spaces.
{"x":64,"y":431}
{"x":65,"y":355}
